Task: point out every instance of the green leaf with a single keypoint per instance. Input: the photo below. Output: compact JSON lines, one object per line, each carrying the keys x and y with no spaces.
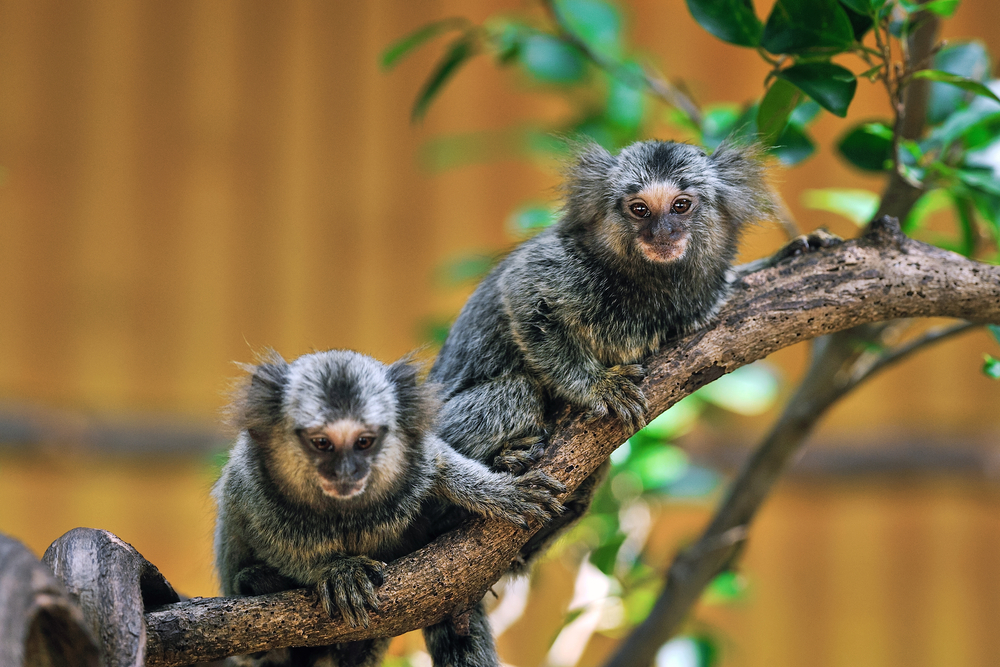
{"x":551,"y":59}
{"x":626,"y":103}
{"x":956,"y":80}
{"x":945,"y":8}
{"x":807,"y":26}
{"x":401,"y":47}
{"x":717,"y":123}
{"x":727,"y":587}
{"x":775,"y":108}
{"x":750,"y":390}
{"x":991,"y":367}
{"x":860,"y":6}
{"x":858,"y":206}
{"x":466,"y":269}
{"x":596,"y":23}
{"x":459,"y":52}
{"x":995,"y":330}
{"x":676,"y":421}
{"x":981,"y":180}
{"x":793,"y":146}
{"x":435,"y":331}
{"x":861,"y":20}
{"x":733,"y":21}
{"x":930,"y":202}
{"x":530,"y":219}
{"x":832,"y":86}
{"x":868,"y":146}
{"x":805,"y":113}
{"x":604,"y":556}
{"x":660,"y":466}
{"x":968,"y":59}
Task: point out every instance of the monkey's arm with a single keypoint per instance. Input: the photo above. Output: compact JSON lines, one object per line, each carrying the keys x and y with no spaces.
{"x":241,"y":572}
{"x":555,"y":349}
{"x":471,"y":485}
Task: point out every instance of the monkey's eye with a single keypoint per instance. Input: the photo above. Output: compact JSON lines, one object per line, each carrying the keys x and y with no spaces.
{"x":364,"y":442}
{"x":681,"y":205}
{"x":639,"y":209}
{"x":321,"y":443}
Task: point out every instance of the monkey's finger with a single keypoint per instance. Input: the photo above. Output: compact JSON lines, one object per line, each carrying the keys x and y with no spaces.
{"x":325,"y":598}
{"x":358,"y":596}
{"x":352,"y":615}
{"x":543,"y":480}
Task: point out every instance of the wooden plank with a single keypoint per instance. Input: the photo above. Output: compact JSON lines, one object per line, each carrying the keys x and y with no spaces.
{"x":40,"y":625}
{"x":114,"y":585}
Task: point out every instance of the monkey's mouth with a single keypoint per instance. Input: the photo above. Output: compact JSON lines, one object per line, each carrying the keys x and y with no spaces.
{"x":664,"y":248}
{"x":341,"y":488}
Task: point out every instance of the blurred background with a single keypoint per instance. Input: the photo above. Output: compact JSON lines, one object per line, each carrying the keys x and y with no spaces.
{"x":187,"y":182}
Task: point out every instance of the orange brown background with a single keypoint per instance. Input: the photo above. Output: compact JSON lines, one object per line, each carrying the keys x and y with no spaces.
{"x":187,"y":181}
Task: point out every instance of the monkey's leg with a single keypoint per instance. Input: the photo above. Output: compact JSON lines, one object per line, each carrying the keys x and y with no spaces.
{"x":262,"y":579}
{"x":574,"y":508}
{"x":500,"y":422}
{"x":364,"y":653}
{"x":454,"y":646}
{"x":800,"y":245}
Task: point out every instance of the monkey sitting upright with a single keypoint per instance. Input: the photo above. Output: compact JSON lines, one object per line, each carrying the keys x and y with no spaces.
{"x":639,"y":256}
{"x":335,"y":469}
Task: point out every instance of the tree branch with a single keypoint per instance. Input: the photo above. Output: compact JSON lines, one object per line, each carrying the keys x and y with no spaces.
{"x":880,"y":276}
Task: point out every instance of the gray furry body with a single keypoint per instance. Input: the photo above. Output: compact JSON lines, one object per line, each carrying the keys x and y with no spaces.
{"x":302,"y":504}
{"x":640,"y":256}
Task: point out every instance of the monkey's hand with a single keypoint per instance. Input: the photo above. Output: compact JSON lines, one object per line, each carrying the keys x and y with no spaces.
{"x":618,"y":392}
{"x":519,"y":454}
{"x":350,"y":588}
{"x":530,"y":496}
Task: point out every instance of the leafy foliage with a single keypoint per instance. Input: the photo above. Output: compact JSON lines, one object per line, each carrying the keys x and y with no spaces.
{"x":578,"y":50}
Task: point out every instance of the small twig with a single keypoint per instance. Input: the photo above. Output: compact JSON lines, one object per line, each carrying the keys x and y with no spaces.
{"x":663,"y":88}
{"x":895,"y":355}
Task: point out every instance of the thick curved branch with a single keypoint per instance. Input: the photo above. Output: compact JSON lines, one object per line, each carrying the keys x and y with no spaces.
{"x":881,"y":276}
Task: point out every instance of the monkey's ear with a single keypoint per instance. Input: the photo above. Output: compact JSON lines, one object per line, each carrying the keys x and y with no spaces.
{"x":257,"y":404}
{"x":745,"y":196}
{"x":585,"y":184}
{"x":417,"y":402}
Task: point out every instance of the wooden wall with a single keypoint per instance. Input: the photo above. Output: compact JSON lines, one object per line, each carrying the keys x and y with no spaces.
{"x":185,"y":181}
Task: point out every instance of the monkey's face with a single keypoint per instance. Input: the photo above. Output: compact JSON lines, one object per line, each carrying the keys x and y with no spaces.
{"x":341,"y":454}
{"x":660,"y":216}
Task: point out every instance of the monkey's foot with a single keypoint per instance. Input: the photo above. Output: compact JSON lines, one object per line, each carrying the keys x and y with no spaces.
{"x":351,"y":589}
{"x":618,"y":392}
{"x":808,"y":243}
{"x":530,"y":496}
{"x":519,"y":454}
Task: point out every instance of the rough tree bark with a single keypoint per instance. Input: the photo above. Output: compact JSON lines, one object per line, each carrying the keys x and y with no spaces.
{"x":114,"y":585}
{"x":880,"y":276}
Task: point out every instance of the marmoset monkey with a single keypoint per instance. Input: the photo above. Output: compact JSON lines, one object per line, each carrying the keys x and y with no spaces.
{"x":335,"y":470}
{"x":639,"y":256}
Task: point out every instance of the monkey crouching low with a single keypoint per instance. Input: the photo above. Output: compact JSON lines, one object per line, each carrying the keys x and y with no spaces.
{"x":641,"y":255}
{"x":336,"y":470}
